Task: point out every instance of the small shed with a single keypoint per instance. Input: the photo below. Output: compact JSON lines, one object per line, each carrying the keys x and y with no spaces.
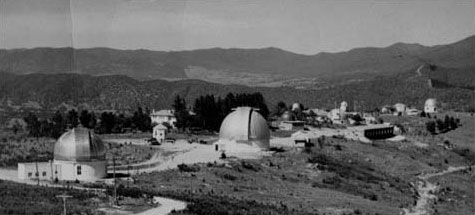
{"x":159,"y":132}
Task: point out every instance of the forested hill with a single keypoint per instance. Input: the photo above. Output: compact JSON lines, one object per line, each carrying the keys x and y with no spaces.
{"x":261,"y":67}
{"x":53,"y":91}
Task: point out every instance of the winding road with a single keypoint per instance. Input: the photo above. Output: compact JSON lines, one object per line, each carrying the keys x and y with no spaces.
{"x":166,"y":206}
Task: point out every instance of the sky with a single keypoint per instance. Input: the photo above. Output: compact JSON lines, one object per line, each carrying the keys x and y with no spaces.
{"x":300,"y":26}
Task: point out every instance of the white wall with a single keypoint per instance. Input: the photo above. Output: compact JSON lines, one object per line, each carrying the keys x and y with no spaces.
{"x":29,"y":170}
{"x":159,"y":135}
{"x":90,"y":171}
{"x":161,"y":119}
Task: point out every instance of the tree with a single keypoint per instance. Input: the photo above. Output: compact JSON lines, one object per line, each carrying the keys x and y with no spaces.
{"x":181,"y":113}
{"x":33,"y":125}
{"x":72,"y":118}
{"x":59,"y":124}
{"x":440,"y":125}
{"x":108,"y":121}
{"x":140,"y":120}
{"x":423,"y":114}
{"x":431,"y":127}
{"x":87,"y":119}
{"x":447,"y":123}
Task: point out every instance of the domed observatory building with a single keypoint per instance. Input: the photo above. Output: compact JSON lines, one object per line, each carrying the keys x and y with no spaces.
{"x":243,"y":130}
{"x":79,"y":154}
{"x":430,"y":106}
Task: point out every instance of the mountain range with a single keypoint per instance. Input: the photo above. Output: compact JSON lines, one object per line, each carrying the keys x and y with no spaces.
{"x":48,"y":79}
{"x":253,"y":67}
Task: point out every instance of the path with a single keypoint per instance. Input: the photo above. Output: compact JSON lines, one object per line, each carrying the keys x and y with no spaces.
{"x":166,"y":206}
{"x":418,"y":71}
{"x":426,"y":191}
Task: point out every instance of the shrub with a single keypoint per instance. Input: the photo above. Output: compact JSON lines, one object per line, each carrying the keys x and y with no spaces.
{"x":229,"y":177}
{"x":189,"y":168}
{"x":251,"y":166}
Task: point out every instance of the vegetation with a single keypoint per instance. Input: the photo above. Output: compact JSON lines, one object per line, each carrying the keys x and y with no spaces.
{"x":18,"y":148}
{"x":211,"y":111}
{"x":28,"y":199}
{"x":107,"y":123}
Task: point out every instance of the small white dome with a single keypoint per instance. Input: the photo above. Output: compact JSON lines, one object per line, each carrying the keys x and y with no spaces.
{"x":245,"y":125}
{"x":431,"y":102}
{"x":344,"y":106}
{"x":79,"y":144}
{"x":286,"y":116}
{"x":296,"y":107}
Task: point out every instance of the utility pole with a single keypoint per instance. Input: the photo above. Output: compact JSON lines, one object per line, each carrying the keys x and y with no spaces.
{"x":37,"y":172}
{"x":115,"y":181}
{"x":64,"y":197}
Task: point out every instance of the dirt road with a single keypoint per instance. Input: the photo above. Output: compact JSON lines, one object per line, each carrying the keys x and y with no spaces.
{"x":426,"y":192}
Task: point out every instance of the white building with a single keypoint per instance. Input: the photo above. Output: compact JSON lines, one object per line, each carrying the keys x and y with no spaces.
{"x":400,"y":109}
{"x":78,"y":155}
{"x":161,"y":116}
{"x":243,"y":130}
{"x":430,"y":106}
{"x":159,"y":132}
{"x":291,"y":125}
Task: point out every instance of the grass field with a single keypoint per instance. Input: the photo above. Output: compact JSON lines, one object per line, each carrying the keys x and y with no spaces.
{"x":27,"y":199}
{"x":19,"y":148}
{"x":456,"y":193}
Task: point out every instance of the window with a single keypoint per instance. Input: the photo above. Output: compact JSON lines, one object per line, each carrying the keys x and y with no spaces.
{"x":30,"y":174}
{"x":44,"y":174}
{"x":79,"y":170}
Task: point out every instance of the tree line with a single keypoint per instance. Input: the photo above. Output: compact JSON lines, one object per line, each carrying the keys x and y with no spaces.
{"x":441,"y":126}
{"x":105,"y":122}
{"x":209,"y":111}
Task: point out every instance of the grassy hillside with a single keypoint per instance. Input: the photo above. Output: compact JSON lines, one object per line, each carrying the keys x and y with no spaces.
{"x":50,"y":92}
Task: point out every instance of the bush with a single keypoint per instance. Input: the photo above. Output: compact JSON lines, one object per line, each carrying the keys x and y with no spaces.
{"x":229,"y":177}
{"x":467,"y":154}
{"x":189,"y":168}
{"x":251,"y":165}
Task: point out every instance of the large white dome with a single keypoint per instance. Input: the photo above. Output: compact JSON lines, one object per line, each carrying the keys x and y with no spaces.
{"x":79,"y":144}
{"x":245,"y":125}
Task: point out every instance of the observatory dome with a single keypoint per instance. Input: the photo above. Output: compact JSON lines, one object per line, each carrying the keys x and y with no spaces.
{"x":245,"y":125}
{"x":431,"y":102}
{"x":430,"y":106}
{"x":79,"y":144}
{"x":296,"y":107}
{"x":344,"y":106}
{"x":286,"y":116}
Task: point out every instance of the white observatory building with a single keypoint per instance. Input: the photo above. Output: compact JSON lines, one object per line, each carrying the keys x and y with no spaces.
{"x":78,"y":155}
{"x":430,"y":106}
{"x":243,"y":130}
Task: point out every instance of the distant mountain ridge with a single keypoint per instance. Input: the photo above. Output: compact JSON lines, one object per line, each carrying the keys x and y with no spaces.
{"x":238,"y":66}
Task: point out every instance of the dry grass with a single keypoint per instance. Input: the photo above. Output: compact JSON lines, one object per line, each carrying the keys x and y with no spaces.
{"x":456,"y":193}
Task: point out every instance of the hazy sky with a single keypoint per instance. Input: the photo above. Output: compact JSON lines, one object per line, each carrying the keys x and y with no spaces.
{"x":301,"y":26}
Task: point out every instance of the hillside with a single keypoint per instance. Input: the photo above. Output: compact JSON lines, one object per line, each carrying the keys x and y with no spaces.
{"x":46,"y":92}
{"x":252,"y":67}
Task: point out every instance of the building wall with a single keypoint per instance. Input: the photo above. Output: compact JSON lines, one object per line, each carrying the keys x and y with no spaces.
{"x":379,"y":133}
{"x":159,"y":135}
{"x":430,"y":109}
{"x":82,"y":171}
{"x":29,"y":170}
{"x":161,"y":119}
{"x":235,"y":147}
